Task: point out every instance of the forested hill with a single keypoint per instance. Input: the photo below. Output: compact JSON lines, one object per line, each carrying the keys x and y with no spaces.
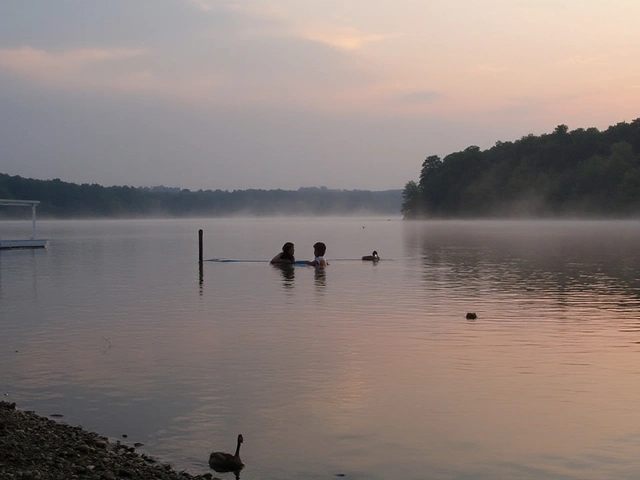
{"x":586,"y":173}
{"x":68,"y":200}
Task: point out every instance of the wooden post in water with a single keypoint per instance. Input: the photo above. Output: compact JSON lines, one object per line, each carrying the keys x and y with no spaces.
{"x":200,"y":260}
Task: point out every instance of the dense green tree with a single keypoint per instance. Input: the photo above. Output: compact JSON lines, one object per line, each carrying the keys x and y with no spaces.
{"x":583,"y":172}
{"x":412,"y":200}
{"x":430,"y":166}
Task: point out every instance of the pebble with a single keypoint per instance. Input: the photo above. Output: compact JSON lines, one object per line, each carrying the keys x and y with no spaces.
{"x":38,"y":448}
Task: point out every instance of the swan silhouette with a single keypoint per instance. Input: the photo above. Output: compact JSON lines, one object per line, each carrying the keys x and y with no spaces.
{"x":374,"y":257}
{"x":225,"y":462}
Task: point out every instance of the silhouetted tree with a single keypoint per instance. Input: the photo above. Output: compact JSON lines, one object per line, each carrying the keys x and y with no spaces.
{"x":566,"y":172}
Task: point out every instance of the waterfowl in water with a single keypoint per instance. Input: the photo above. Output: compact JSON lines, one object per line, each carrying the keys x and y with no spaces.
{"x":374,"y":257}
{"x":471,"y":316}
{"x":225,"y":462}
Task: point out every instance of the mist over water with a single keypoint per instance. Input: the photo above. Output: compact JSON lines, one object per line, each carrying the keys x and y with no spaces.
{"x":365,"y":369}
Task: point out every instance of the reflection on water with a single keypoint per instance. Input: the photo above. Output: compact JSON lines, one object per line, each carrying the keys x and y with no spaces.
{"x":235,"y":473}
{"x":320,"y":276}
{"x":288,"y":273}
{"x":328,"y":376}
{"x":572,"y":265}
{"x":30,"y":268}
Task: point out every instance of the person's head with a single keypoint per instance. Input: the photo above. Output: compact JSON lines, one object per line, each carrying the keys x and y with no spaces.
{"x":288,"y":248}
{"x":319,"y":249}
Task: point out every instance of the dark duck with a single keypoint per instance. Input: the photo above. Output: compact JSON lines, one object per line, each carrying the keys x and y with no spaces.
{"x":225,"y":462}
{"x":374,"y":257}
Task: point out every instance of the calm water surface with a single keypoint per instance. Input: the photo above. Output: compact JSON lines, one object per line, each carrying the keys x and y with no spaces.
{"x":371,"y":371}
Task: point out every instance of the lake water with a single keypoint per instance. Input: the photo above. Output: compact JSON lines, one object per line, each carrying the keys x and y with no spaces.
{"x":367,"y":370}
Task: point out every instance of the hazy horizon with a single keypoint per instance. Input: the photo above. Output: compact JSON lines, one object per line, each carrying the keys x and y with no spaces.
{"x":279,"y":94}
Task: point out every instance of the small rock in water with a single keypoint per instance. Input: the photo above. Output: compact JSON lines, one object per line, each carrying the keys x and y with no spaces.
{"x":471,"y":316}
{"x":57,"y":415}
{"x":124,"y":435}
{"x":138,"y":444}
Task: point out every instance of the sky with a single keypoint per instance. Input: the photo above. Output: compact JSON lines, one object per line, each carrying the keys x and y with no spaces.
{"x":347,"y":94}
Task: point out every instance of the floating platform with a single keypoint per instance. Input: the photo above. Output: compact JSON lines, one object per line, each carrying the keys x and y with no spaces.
{"x":33,"y":242}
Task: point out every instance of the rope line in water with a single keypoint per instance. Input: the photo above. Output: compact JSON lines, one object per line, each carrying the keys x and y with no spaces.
{"x":227,"y":260}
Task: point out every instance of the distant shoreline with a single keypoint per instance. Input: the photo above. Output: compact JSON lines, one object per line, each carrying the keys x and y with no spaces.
{"x":60,"y":199}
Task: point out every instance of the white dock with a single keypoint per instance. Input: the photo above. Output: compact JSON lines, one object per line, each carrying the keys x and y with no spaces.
{"x":32,"y":242}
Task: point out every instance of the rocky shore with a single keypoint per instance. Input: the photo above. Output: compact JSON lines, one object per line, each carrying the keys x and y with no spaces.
{"x":37,"y":448}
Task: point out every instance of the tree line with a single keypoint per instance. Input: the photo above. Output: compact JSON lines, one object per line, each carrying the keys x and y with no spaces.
{"x":563,"y":173}
{"x":68,"y":200}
